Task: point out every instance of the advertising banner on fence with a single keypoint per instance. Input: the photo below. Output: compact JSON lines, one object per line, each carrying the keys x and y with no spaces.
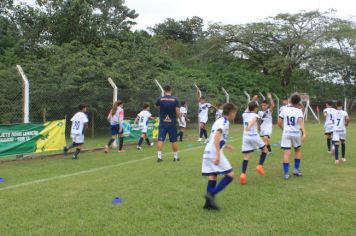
{"x":132,"y":132}
{"x":32,"y":138}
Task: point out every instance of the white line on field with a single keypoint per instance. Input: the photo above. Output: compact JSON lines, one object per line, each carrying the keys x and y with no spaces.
{"x":86,"y":171}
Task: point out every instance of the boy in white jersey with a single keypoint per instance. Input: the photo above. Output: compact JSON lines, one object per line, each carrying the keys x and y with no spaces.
{"x":266,"y":121}
{"x":329,"y":125}
{"x":251,"y":141}
{"x":341,"y":120}
{"x":203,"y":116}
{"x":219,"y":111}
{"x":79,"y":121}
{"x":214,"y":160}
{"x":182,"y":121}
{"x":142,"y":118}
{"x":291,"y":120}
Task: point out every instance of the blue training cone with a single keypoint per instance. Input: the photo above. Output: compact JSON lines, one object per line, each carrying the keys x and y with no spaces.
{"x":117,"y":200}
{"x":190,"y":145}
{"x":2,"y":180}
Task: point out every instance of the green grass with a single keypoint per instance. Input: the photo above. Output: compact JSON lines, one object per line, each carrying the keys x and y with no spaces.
{"x":166,"y":198}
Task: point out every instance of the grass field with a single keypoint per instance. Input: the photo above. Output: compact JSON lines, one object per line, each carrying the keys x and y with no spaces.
{"x":64,"y":197}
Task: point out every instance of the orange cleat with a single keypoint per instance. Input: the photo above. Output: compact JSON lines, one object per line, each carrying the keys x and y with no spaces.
{"x":122,"y":150}
{"x":260,"y":170}
{"x":243,"y":179}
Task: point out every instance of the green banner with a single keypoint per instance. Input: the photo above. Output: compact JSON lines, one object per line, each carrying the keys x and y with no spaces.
{"x":18,"y":139}
{"x":132,"y":132}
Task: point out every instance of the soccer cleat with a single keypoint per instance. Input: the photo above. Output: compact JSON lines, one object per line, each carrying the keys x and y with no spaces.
{"x":199,"y":140}
{"x":207,"y":206}
{"x":260,"y":170}
{"x":139,"y":148}
{"x":286,"y":176}
{"x":65,"y":150}
{"x":152,"y":144}
{"x":210,"y":199}
{"x":336,"y":162}
{"x":159,"y":160}
{"x":243,"y":179}
{"x":297,"y":173}
{"x":74,"y":157}
{"x":176,"y":159}
{"x":343,"y":159}
{"x":206,"y":141}
{"x":121,"y":150}
{"x":106,"y":149}
{"x":329,"y":152}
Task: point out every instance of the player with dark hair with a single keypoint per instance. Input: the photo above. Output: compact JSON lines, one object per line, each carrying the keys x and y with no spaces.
{"x":266,"y":120}
{"x":142,"y":119}
{"x":182,"y":122}
{"x":329,"y":125}
{"x":341,"y":121}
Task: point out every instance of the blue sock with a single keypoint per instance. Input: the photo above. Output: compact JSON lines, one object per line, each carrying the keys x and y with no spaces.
{"x":336,"y":152}
{"x":244,"y":166}
{"x":286,"y":168}
{"x":262,"y":158}
{"x":211,"y":186}
{"x":296,"y":164}
{"x":140,"y":141}
{"x":343,"y":150}
{"x":222,"y":184}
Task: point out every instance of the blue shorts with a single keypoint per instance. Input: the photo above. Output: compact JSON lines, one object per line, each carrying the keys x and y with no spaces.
{"x":115,"y":129}
{"x":170,"y":129}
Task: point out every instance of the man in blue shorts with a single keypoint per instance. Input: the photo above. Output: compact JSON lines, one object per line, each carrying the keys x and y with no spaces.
{"x":169,"y":110}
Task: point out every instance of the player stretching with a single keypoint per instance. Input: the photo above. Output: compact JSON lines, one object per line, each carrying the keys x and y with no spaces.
{"x":214,"y":160}
{"x":182,"y":122}
{"x":169,"y":110}
{"x":329,"y":126}
{"x":203,"y":116}
{"x":142,"y":118}
{"x":115,"y":118}
{"x":341,"y":120}
{"x":251,"y":141}
{"x":266,"y":120}
{"x":79,"y":120}
{"x":291,"y":120}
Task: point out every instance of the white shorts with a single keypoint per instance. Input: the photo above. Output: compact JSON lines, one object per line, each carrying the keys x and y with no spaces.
{"x":289,"y":141}
{"x":339,"y":135}
{"x":203,"y":120}
{"x":251,"y":143}
{"x":143,"y":128}
{"x":77,"y":138}
{"x":329,"y":128}
{"x":266,"y":132}
{"x":182,"y":122}
{"x":209,"y":168}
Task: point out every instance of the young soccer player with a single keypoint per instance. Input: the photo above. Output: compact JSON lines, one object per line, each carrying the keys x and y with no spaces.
{"x":291,"y":120}
{"x":266,"y":122}
{"x":115,"y":119}
{"x":79,"y":121}
{"x":203,"y":117}
{"x":219,"y":111}
{"x":328,"y":126}
{"x":341,"y":120}
{"x":142,"y":118}
{"x":214,"y":161}
{"x":182,"y":122}
{"x":251,"y":141}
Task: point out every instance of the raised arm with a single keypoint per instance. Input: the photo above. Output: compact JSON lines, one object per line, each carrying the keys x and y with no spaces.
{"x":271,"y":102}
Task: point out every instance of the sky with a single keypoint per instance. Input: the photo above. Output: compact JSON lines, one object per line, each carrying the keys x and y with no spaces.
{"x":152,"y":12}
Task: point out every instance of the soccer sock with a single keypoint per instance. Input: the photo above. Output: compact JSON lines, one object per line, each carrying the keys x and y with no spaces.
{"x":181,"y":136}
{"x":205,"y":134}
{"x":343,"y":150}
{"x":77,"y":151}
{"x":159,"y":155}
{"x":71,"y":146}
{"x":121,"y":143}
{"x":328,"y":143}
{"x":286,"y":168}
{"x":262,"y":158}
{"x":211,"y":186}
{"x":336,"y":152}
{"x":140,"y":141}
{"x":175,"y":155}
{"x":201,"y":132}
{"x":111,"y":141}
{"x":148,"y":142}
{"x":296,"y":164}
{"x":269,"y":148}
{"x":244,"y":166}
{"x":222,"y":184}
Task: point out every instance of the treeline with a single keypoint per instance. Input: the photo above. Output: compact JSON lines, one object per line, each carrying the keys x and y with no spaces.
{"x":68,"y":48}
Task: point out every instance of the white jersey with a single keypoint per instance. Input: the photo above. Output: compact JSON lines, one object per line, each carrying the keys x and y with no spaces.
{"x":290,"y":116}
{"x":247,"y":117}
{"x":144,"y":116}
{"x":182,"y":120}
{"x":282,"y":108}
{"x":220,"y":124}
{"x":78,"y":121}
{"x":266,"y":119}
{"x":339,"y":119}
{"x":117,"y":118}
{"x":203,"y":112}
{"x":218,"y":114}
{"x":329,"y":115}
